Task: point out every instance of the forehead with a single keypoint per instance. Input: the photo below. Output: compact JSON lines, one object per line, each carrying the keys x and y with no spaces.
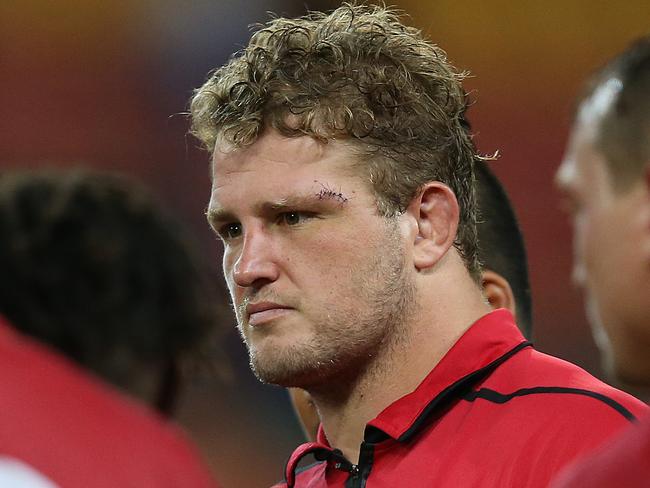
{"x":270,"y":147}
{"x":584,"y":170}
{"x":582,"y":158}
{"x":278,"y":172}
{"x":273,"y":158}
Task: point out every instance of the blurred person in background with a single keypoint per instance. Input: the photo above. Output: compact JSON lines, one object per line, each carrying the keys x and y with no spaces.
{"x":504,"y":276}
{"x":97,"y":284}
{"x":605,"y":176}
{"x":343,"y":191}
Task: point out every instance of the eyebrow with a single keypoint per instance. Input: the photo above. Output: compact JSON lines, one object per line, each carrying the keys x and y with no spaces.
{"x":290,"y":202}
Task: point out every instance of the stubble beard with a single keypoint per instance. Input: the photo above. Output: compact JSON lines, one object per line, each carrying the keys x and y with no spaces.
{"x":349,"y":341}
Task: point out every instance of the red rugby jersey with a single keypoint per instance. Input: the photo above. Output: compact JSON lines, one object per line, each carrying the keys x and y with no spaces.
{"x":493,"y":413}
{"x":77,"y":432}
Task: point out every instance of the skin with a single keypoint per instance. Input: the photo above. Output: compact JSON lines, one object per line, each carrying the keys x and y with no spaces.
{"x":290,"y":246}
{"x":497,"y":292}
{"x":305,"y":411}
{"x":339,"y":293}
{"x":611,"y":247}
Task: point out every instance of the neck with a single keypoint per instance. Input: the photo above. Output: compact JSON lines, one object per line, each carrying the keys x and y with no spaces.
{"x":346,"y":409}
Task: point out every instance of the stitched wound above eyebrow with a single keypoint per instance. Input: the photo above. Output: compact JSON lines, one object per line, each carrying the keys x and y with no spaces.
{"x":327,"y":192}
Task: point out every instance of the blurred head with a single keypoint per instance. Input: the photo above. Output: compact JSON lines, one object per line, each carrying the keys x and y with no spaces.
{"x":504,"y":277}
{"x":501,"y":250}
{"x":92,"y":267}
{"x":605,"y":176}
{"x":358,"y":75}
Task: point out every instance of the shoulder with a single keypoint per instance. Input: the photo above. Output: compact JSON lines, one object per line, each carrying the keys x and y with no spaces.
{"x":557,"y":408}
{"x":52,"y":406}
{"x":554,"y":408}
{"x":547,"y":383}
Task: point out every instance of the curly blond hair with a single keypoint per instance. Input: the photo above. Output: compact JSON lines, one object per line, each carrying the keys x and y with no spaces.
{"x":357,"y":73}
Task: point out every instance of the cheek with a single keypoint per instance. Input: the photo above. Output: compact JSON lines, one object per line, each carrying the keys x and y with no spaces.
{"x":599,"y":234}
{"x":324,"y":266}
{"x":337,"y":259}
{"x":600,"y":256}
{"x":325,"y":247}
{"x":228,"y":263}
{"x":579,"y":228}
{"x":586,"y":239}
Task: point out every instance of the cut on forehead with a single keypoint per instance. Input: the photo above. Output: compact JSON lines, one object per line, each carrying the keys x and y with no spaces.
{"x":284,"y":171}
{"x":301,"y":199}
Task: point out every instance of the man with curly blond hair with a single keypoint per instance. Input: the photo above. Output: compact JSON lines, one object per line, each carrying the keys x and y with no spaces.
{"x":342,"y":173}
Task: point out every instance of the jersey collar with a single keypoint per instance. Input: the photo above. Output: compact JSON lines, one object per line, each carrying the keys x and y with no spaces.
{"x":490,"y":341}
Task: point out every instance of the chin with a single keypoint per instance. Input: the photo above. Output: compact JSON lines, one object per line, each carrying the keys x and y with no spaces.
{"x":287,"y":368}
{"x":280,"y":376}
{"x":294,"y":368}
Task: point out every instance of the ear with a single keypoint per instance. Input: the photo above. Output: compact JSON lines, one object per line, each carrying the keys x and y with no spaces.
{"x":497,"y":291}
{"x":434,"y":213}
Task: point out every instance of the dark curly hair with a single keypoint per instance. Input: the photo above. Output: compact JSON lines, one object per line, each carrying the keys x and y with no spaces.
{"x":92,"y":267}
{"x":357,"y":73}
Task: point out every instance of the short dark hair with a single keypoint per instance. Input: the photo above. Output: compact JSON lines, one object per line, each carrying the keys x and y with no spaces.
{"x":91,"y":266}
{"x":358,"y":73}
{"x":624,"y":133}
{"x":501,"y":243}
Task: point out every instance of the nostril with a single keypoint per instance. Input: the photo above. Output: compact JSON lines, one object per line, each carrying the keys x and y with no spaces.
{"x":255,"y":272}
{"x":256,"y":264}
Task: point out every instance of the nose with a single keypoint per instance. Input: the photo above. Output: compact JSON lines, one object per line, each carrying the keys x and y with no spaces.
{"x":256,"y":265}
{"x":578,"y":273}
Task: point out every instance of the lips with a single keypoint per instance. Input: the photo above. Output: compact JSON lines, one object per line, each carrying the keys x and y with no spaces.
{"x":261,"y":312}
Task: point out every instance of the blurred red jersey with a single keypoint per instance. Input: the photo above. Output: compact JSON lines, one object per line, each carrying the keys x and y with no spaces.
{"x":62,"y":426}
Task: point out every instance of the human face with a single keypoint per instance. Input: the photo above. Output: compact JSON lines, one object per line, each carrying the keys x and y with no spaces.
{"x":317,"y":277}
{"x":608,"y":235}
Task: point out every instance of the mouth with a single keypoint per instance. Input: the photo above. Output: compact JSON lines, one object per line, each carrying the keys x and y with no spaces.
{"x":262,"y":312}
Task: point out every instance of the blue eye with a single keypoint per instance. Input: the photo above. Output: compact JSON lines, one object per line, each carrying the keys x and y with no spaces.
{"x":230,"y":231}
{"x":292,"y":218}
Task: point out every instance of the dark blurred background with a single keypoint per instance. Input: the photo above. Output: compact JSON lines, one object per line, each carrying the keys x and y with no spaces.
{"x":105,"y":83}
